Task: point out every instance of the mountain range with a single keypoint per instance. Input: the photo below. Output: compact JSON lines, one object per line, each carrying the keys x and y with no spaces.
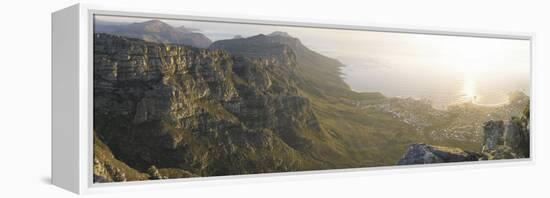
{"x":155,"y":31}
{"x":260,"y":104}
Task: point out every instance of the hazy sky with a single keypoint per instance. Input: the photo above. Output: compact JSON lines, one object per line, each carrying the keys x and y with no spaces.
{"x":403,"y":64}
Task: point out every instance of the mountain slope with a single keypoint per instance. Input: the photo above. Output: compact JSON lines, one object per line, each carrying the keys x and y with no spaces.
{"x":365,"y":136}
{"x":321,"y":74}
{"x":155,"y":31}
{"x":204,"y":111}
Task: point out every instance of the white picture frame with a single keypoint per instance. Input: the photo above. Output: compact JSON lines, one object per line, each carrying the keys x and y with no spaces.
{"x":72,"y":100}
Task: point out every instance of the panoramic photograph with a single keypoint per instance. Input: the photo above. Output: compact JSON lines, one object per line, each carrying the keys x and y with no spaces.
{"x":188,"y":98}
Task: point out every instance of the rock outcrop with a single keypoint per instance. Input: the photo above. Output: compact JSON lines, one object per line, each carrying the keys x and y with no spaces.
{"x":428,"y":154}
{"x":493,"y":135}
{"x":507,"y":140}
{"x":501,"y":140}
{"x":106,"y":168}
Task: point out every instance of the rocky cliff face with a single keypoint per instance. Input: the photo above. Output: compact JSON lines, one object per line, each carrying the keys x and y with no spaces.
{"x":501,"y":140}
{"x":320,"y":74}
{"x":202,"y":111}
{"x":507,"y":140}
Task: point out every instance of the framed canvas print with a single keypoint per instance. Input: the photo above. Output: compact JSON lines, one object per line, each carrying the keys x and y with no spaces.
{"x":151,"y":98}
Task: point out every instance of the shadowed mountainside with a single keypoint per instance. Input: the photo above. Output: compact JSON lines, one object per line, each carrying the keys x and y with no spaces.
{"x":321,"y":74}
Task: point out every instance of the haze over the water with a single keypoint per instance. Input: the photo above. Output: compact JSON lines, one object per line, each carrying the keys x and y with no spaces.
{"x":444,"y":69}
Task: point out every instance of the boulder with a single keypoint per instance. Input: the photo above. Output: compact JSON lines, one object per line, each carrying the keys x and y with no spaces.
{"x":428,"y":154}
{"x":492,"y":134}
{"x":512,"y":135}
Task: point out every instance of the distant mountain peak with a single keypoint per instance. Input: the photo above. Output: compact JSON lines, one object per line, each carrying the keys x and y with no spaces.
{"x":182,"y":27}
{"x":276,"y":37}
{"x":153,"y":22}
{"x":152,"y":26}
{"x":157,"y":31}
{"x":280,"y":33}
{"x":187,"y":29}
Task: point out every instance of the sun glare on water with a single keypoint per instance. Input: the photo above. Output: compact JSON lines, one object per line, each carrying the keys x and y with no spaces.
{"x":469,"y":89}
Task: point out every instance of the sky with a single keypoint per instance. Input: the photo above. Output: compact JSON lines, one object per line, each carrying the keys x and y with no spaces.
{"x":444,"y":69}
